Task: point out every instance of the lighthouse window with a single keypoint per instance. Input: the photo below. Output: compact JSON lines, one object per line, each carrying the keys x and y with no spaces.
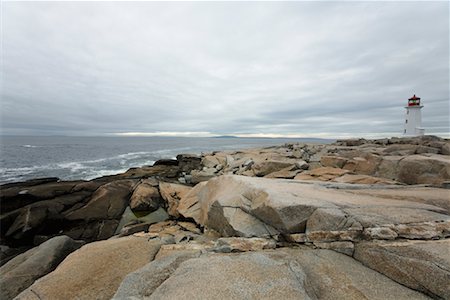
{"x":406,"y":121}
{"x":407,"y":112}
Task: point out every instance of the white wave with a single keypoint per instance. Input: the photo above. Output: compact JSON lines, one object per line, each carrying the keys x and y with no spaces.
{"x":132,"y":155}
{"x":30,"y":146}
{"x":73,"y":166}
{"x":100,"y":173}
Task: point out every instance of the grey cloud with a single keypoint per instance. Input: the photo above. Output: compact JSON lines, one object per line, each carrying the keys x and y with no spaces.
{"x":334,"y":68}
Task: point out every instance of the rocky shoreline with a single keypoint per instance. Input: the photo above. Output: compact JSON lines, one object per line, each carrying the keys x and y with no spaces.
{"x":356,"y":219}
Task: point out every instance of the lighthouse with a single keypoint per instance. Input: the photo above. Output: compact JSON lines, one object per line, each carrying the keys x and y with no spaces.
{"x":413,"y":121}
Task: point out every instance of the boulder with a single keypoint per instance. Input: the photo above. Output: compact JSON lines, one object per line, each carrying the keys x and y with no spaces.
{"x":108,"y":202}
{"x":172,"y":193}
{"x":210,"y":161}
{"x":400,"y":149}
{"x":332,"y":161}
{"x":189,"y":205}
{"x":189,"y":162}
{"x":266,"y":167}
{"x":95,"y":271}
{"x":321,"y":174}
{"x":388,"y":167}
{"x":426,"y":149}
{"x":203,"y":175}
{"x":20,"y":272}
{"x":419,"y":265}
{"x":288,"y":173}
{"x":419,"y":169}
{"x":145,"y":197}
{"x":366,"y":165}
{"x":302,"y":165}
{"x":445,"y":150}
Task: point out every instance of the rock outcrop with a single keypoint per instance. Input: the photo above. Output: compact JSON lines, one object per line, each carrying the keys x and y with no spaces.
{"x":251,"y":207}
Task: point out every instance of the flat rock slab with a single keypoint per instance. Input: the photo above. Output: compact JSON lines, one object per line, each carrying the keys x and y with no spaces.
{"x":95,"y":271}
{"x":274,"y":274}
{"x":420,"y":265}
{"x":244,"y":206}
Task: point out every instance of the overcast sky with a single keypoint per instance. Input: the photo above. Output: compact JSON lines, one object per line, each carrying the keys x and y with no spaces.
{"x":323,"y":69}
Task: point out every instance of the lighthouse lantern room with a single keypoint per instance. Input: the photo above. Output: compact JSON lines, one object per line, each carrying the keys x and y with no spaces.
{"x":413,"y":122}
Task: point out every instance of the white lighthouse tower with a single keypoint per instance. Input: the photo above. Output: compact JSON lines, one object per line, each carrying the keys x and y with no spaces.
{"x":413,"y":122}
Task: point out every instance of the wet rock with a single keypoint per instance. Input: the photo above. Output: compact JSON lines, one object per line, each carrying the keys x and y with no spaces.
{"x":20,"y":195}
{"x":189,"y":162}
{"x":164,"y":172}
{"x":108,"y":202}
{"x":166,"y":162}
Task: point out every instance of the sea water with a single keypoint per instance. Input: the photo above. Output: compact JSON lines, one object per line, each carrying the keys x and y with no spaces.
{"x":70,"y":158}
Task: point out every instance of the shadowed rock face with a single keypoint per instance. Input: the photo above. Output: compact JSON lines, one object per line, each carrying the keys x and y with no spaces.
{"x":37,"y":210}
{"x":20,"y":272}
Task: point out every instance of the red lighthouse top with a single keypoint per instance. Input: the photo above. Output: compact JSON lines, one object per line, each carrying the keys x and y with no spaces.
{"x":414,"y":101}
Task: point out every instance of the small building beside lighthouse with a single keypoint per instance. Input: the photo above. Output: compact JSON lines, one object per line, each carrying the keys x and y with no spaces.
{"x":413,"y":120}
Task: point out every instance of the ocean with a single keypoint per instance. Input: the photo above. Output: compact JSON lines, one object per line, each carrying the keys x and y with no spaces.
{"x":72,"y":158}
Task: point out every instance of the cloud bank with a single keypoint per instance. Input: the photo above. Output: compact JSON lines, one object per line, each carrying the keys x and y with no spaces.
{"x":325,"y":69}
